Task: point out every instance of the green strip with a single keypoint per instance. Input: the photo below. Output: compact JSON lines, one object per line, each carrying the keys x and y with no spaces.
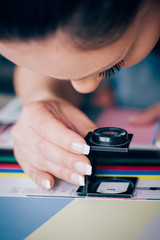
{"x":7,"y":159}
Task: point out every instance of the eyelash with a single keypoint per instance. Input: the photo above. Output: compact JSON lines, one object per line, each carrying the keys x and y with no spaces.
{"x":116,"y":68}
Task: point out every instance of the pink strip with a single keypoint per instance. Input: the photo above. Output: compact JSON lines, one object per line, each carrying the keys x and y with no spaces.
{"x":10,"y":166}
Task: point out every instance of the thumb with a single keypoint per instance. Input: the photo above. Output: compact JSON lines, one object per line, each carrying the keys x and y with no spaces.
{"x":148,"y":116}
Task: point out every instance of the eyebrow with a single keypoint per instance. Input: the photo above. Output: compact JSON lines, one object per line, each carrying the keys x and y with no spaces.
{"x":99,"y":71}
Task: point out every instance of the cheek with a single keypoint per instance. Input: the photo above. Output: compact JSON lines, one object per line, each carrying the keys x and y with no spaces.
{"x":142,"y":46}
{"x":137,"y":54}
{"x":86,"y":85}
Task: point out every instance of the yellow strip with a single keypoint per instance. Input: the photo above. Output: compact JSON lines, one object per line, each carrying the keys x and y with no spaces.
{"x":13,"y":175}
{"x":140,"y":177}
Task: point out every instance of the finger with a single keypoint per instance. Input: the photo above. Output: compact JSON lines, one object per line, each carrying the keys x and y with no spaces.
{"x":42,"y":120}
{"x":150,"y":115}
{"x":41,"y":178}
{"x":50,"y":169}
{"x":27,"y":138}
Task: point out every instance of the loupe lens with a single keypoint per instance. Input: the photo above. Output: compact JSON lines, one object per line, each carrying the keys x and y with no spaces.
{"x":110,"y":136}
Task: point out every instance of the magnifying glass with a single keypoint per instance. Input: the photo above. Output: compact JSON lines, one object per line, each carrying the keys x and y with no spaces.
{"x":110,"y":136}
{"x":101,"y":142}
{"x":109,"y":139}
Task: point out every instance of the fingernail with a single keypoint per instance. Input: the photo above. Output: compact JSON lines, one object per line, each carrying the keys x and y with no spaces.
{"x":81,"y":148}
{"x":77,"y":179}
{"x":157,"y":144}
{"x":131,"y":118}
{"x":46,"y":183}
{"x":84,"y":168}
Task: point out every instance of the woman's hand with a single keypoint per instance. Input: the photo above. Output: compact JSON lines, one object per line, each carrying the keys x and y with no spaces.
{"x":49,"y":142}
{"x":148,"y":116}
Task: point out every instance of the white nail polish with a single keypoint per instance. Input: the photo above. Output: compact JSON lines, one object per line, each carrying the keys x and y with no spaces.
{"x":157,"y":144}
{"x":83,"y":168}
{"x":77,"y":179}
{"x":46,"y":183}
{"x":81,"y":148}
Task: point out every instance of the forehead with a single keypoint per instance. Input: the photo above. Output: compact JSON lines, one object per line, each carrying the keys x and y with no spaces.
{"x":57,"y":56}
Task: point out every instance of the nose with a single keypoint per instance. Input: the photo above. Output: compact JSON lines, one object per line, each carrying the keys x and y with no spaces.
{"x":87,"y":85}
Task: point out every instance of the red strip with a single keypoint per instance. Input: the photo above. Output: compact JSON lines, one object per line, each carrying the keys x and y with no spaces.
{"x":153,"y":168}
{"x":9,"y":166}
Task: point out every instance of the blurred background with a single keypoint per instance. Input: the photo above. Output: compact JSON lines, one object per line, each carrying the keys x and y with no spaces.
{"x":6,"y":81}
{"x":6,"y":74}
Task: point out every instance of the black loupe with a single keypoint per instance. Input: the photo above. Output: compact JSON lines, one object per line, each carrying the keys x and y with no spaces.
{"x":109,"y":139}
{"x":107,"y":143}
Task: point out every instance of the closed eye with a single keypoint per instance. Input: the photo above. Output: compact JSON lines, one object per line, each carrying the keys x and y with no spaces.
{"x":112,"y":70}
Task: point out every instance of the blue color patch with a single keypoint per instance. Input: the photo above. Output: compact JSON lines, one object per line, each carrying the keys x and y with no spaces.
{"x":7,"y":170}
{"x":20,"y":216}
{"x":127,"y":172}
